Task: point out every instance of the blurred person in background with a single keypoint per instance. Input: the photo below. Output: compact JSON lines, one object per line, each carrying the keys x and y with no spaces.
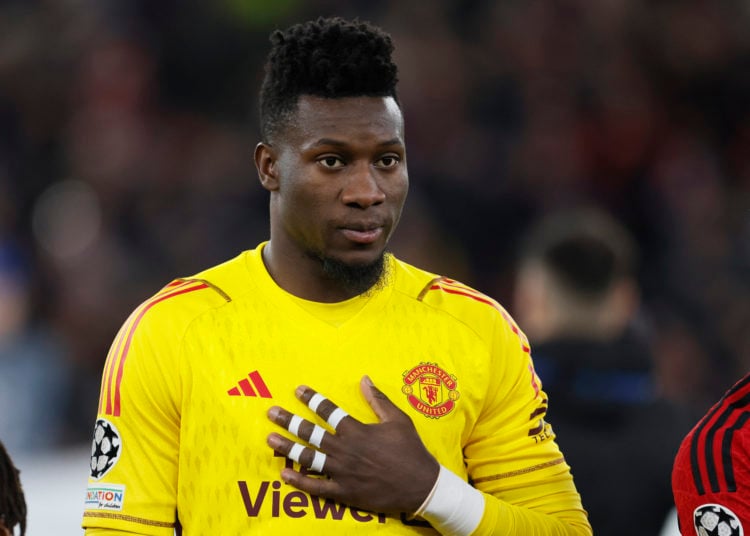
{"x":577,"y":298}
{"x":12,"y":500}
{"x":34,"y":375}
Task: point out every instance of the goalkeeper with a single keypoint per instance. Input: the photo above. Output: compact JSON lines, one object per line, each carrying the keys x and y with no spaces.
{"x":423,"y":413}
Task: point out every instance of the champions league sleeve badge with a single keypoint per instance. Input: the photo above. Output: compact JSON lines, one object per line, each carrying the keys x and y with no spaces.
{"x":716,"y":520}
{"x":105,"y":448}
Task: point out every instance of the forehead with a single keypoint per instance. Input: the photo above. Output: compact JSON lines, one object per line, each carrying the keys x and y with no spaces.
{"x":346,"y":119}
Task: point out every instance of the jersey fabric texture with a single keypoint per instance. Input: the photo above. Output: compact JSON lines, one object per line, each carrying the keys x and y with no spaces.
{"x":180,"y":437}
{"x":711,"y":474}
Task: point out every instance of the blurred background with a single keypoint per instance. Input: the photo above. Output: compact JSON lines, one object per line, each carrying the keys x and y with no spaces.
{"x":127,"y":130}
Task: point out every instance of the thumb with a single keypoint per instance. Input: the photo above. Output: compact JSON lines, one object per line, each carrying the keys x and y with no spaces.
{"x":381,"y":404}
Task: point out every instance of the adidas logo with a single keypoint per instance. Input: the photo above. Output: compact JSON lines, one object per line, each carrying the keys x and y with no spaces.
{"x":245,"y":387}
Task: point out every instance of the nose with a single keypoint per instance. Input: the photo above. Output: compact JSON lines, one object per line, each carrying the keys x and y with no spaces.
{"x":362,"y":188}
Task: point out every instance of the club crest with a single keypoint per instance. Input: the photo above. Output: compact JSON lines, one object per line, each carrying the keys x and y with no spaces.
{"x":430,"y":390}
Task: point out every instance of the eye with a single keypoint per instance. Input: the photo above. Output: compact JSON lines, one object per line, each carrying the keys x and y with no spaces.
{"x":388,"y":161}
{"x":331,"y":162}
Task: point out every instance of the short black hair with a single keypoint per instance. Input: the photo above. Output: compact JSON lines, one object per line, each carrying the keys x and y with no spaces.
{"x":12,"y":501}
{"x":585,"y":249}
{"x":326,"y":57}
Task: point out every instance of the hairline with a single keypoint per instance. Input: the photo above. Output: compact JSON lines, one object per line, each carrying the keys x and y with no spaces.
{"x":287,"y":116}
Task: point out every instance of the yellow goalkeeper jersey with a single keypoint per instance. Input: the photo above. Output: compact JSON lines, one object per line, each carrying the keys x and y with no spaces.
{"x":180,"y":436}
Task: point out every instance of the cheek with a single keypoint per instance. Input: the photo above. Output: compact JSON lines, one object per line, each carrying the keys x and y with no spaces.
{"x":394,"y":185}
{"x":302,"y":211}
{"x":398,"y":192}
{"x":306,"y":202}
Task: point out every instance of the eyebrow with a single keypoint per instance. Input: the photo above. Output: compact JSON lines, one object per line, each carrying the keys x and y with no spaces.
{"x":338,"y":143}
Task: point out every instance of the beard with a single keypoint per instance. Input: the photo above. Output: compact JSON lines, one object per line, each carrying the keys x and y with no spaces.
{"x":357,"y":279}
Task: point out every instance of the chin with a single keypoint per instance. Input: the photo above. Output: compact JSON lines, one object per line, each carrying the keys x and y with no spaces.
{"x":356,"y":273}
{"x":360,"y":257}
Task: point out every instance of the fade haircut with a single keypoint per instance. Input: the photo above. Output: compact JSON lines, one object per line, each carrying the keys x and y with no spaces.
{"x":585,"y":250}
{"x":12,"y":501}
{"x":327,"y":57}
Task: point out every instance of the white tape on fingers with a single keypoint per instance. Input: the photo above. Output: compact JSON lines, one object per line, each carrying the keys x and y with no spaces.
{"x":318,"y":462}
{"x":295,"y":452}
{"x":336,"y":416}
{"x":316,"y":438}
{"x":315,"y":401}
{"x":294,"y":425}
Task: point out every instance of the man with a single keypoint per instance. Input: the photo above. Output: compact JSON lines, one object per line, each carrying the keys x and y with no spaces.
{"x":12,"y":500}
{"x":208,"y":374}
{"x":711,"y":474}
{"x":576,"y":296}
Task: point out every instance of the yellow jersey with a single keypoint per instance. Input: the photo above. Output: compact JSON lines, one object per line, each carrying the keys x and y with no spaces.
{"x":180,"y":438}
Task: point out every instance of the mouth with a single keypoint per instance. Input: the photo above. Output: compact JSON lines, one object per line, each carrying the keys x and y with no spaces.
{"x":362,"y":233}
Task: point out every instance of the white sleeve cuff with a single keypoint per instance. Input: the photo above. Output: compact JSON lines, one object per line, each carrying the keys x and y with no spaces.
{"x":453,"y":507}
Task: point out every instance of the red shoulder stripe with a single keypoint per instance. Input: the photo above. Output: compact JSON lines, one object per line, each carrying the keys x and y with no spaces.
{"x":117,"y":359}
{"x":114,"y":354}
{"x":463,"y":293}
{"x":452,"y":287}
{"x":113,"y":351}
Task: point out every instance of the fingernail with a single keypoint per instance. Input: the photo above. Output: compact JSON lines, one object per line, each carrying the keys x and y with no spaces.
{"x":368,"y":381}
{"x":285,"y":476}
{"x":273,"y":441}
{"x":273,"y":412}
{"x":300,"y":391}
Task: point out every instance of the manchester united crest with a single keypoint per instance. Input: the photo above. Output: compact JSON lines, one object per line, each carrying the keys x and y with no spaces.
{"x":430,"y":390}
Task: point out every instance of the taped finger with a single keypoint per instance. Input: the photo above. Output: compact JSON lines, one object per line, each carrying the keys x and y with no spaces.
{"x":317,"y":435}
{"x":319,"y":461}
{"x":294,"y":423}
{"x":295,"y":452}
{"x":315,"y":401}
{"x":336,"y":416}
{"x":323,"y":406}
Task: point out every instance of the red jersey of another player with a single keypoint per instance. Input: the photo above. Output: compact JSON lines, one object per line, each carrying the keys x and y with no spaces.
{"x":711,"y":475}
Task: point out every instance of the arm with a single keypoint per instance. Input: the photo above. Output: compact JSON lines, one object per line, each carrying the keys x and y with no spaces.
{"x":132,"y":486}
{"x":512,"y":456}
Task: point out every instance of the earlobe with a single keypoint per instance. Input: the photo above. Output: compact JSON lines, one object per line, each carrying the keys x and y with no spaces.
{"x":265,"y":162}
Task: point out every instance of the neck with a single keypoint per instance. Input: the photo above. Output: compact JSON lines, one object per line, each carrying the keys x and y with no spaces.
{"x":321,"y":279}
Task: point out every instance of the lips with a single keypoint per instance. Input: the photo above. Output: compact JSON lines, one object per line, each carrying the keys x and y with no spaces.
{"x":362,"y":233}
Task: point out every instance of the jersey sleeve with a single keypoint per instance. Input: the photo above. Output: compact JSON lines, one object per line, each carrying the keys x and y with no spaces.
{"x":135,"y":450}
{"x":512,"y":456}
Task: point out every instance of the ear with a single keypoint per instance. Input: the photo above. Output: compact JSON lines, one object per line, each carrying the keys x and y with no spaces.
{"x":266,"y":163}
{"x":624,"y":301}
